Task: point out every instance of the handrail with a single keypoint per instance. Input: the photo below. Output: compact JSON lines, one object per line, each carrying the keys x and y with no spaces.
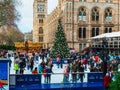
{"x":59,"y":73}
{"x":39,"y":79}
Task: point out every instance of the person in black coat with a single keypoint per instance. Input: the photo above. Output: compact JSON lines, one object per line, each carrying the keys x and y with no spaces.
{"x":22,"y":66}
{"x":74,"y":71}
{"x":81,"y":72}
{"x":31,"y":64}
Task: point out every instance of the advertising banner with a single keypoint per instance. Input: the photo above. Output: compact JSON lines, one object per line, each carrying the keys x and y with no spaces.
{"x":95,"y":77}
{"x":4,"y":74}
{"x":28,"y":79}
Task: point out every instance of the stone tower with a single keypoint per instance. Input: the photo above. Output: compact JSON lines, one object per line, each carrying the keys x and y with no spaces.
{"x":39,"y":14}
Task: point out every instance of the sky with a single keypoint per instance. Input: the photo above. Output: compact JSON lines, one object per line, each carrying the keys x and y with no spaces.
{"x":25,"y":24}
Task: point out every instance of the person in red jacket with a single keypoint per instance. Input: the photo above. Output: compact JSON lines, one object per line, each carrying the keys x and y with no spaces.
{"x":35,"y":71}
{"x":45,"y":74}
{"x":106,"y":81}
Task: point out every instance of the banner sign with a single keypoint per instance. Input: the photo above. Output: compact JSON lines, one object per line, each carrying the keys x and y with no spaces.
{"x":64,"y":60}
{"x":28,"y":79}
{"x":4,"y":73}
{"x":95,"y":77}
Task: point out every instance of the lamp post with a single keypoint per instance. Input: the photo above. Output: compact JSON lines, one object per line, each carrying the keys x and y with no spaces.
{"x":104,"y":56}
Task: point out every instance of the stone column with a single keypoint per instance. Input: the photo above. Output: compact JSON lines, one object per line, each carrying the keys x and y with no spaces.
{"x":102,"y":21}
{"x":89,"y":23}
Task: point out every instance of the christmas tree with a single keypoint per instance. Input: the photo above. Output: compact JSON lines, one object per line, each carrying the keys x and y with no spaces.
{"x":60,"y":46}
{"x":115,"y":85}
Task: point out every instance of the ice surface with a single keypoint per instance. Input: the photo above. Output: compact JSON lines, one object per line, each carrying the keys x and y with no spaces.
{"x":55,"y":78}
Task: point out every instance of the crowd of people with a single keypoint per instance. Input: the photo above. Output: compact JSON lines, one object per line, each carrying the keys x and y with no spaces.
{"x":76,"y":64}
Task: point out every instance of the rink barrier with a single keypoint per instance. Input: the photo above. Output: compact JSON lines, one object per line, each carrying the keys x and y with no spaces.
{"x":4,"y":70}
{"x":4,"y":73}
{"x":25,"y":79}
{"x":63,"y":61}
{"x":30,"y":79}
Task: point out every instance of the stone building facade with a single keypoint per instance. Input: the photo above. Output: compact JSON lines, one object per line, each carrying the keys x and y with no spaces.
{"x":28,"y":36}
{"x":39,"y":14}
{"x":81,"y":20}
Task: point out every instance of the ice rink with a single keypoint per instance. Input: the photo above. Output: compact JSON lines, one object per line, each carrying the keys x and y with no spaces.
{"x":56,"y":77}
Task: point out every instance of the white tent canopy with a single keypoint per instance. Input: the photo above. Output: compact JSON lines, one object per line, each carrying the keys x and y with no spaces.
{"x":107,"y":35}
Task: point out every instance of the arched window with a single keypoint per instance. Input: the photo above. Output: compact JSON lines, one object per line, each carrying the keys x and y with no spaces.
{"x":110,"y":29}
{"x":107,"y":29}
{"x":82,"y":32}
{"x":40,"y":20}
{"x":108,"y":15}
{"x":40,"y":30}
{"x":40,"y":39}
{"x":95,"y":31}
{"x":82,"y":14}
{"x":95,"y":14}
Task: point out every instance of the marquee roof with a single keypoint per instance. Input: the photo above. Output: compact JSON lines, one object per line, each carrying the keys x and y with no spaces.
{"x":107,"y":35}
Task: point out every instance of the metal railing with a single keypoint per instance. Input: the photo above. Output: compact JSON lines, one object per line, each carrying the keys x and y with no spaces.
{"x":44,"y":78}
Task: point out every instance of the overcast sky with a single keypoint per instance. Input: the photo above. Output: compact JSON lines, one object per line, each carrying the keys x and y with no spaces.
{"x":26,"y":11}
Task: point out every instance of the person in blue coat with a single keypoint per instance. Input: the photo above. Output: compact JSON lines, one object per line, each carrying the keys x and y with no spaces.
{"x":40,"y":70}
{"x":48,"y":71}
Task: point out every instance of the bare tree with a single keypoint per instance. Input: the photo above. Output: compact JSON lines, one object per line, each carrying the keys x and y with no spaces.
{"x":11,"y":34}
{"x":8,"y":12}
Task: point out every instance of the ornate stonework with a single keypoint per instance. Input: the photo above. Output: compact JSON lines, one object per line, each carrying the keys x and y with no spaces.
{"x":39,"y":14}
{"x":88,"y":18}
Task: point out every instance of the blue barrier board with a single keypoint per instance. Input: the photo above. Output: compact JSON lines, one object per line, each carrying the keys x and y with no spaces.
{"x":4,"y":73}
{"x":95,"y":77}
{"x":28,"y":79}
{"x":68,"y":86}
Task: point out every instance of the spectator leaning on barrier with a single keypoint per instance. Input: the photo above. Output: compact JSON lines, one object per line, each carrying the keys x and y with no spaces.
{"x":74,"y":71}
{"x":45,"y":74}
{"x":81,"y":72}
{"x":40,"y":70}
{"x":68,"y":70}
{"x":48,"y":71}
{"x":49,"y":66}
{"x":107,"y":80}
{"x":65,"y":78}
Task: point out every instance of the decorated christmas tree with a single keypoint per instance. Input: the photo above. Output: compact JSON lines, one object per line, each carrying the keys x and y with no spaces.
{"x":115,"y":85}
{"x":60,"y":46}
